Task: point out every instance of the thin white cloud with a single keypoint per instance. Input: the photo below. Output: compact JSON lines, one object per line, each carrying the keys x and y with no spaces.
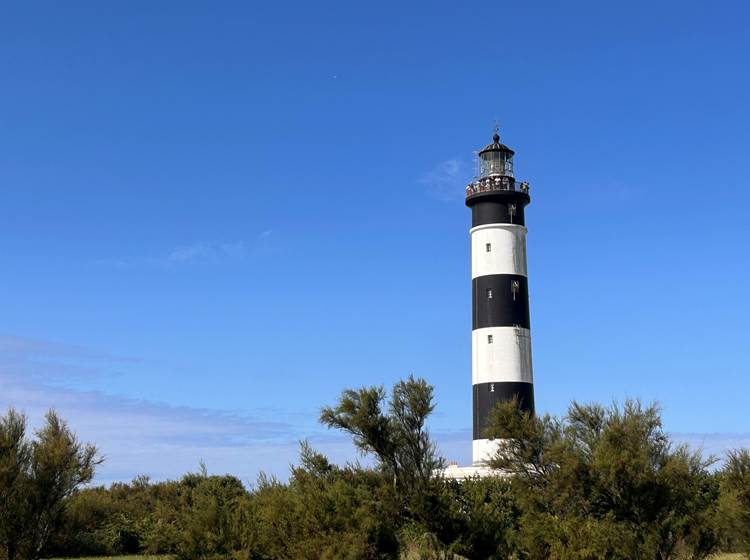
{"x":138,"y":437}
{"x":196,"y":253}
{"x":157,"y":439}
{"x":207,"y":251}
{"x":30,"y":359}
{"x":447,"y":180}
{"x":265,"y":242}
{"x":165,"y":441}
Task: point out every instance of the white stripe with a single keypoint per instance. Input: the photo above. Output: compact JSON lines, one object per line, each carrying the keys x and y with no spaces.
{"x":484,"y":449}
{"x":507,"y":249}
{"x":506,"y":358}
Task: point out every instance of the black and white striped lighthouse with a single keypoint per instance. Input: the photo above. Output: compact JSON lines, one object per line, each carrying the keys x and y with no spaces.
{"x":500,"y":338}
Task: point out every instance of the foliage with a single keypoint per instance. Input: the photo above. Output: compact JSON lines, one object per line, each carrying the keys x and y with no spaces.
{"x":206,"y":516}
{"x":734,"y":502}
{"x":36,"y":477}
{"x":605,"y":483}
{"x":128,"y":557}
{"x":191,"y":518}
{"x":324,"y":512}
{"x":481,"y":517}
{"x":398,"y":439}
{"x":602,"y":482}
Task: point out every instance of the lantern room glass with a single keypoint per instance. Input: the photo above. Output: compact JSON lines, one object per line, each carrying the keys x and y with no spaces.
{"x":496,"y":162}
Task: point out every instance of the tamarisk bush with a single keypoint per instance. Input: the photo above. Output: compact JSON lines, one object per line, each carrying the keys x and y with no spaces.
{"x":36,"y":477}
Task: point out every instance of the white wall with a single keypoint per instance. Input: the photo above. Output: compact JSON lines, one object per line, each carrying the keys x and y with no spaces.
{"x":482,"y":449}
{"x":508,"y":254}
{"x":506,"y":358}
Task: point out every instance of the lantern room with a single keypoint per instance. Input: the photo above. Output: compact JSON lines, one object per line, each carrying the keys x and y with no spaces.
{"x":496,"y":159}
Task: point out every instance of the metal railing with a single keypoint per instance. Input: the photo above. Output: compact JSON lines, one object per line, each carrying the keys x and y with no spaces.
{"x":492,"y":184}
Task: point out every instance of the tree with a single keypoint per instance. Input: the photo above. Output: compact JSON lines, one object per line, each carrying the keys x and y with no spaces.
{"x":397,"y":438}
{"x":605,"y":482}
{"x":36,"y":476}
{"x":324,"y":512}
{"x":206,"y":515}
{"x":734,"y":501}
{"x":481,"y":517}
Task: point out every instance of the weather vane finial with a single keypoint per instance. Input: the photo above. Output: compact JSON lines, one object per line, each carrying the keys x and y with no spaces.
{"x":496,"y":130}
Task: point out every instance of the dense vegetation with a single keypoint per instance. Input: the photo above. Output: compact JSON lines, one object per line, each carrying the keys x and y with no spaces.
{"x":600,"y":483}
{"x":37,"y":480}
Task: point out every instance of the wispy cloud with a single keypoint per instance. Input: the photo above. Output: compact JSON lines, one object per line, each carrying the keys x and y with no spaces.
{"x":48,"y":362}
{"x":137,"y":436}
{"x":446,"y":181}
{"x":165,"y":441}
{"x":197,"y":253}
{"x":206,"y":251}
{"x":265,"y":242}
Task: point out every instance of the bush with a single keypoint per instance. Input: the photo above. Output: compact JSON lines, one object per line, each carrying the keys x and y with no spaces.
{"x":605,"y":483}
{"x":600,"y":483}
{"x":36,"y":478}
{"x":324,"y":512}
{"x":206,"y":525}
{"x":734,"y":502}
{"x":396,"y":437}
{"x":481,"y":517}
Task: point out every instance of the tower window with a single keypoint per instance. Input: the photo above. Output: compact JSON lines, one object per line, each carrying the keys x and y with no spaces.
{"x":488,"y":247}
{"x":489,"y":339}
{"x":489,"y":293}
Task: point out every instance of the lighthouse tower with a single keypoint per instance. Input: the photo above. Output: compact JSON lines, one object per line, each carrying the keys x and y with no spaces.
{"x":500,"y":337}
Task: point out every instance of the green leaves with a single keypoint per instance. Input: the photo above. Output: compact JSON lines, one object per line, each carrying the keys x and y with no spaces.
{"x":398,"y":439}
{"x":359,"y":412}
{"x":734,"y":501}
{"x":36,"y":476}
{"x":604,"y":482}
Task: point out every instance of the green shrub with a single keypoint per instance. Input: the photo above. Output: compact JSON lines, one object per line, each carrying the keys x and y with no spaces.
{"x":482,"y":517}
{"x":734,"y":502}
{"x":605,"y":483}
{"x":600,"y":483}
{"x":36,"y":478}
{"x":324,"y":512}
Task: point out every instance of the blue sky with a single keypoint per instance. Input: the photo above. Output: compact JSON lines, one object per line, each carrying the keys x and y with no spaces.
{"x":216,"y":216}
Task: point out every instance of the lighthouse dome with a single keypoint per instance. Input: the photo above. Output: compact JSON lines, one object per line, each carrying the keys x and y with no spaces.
{"x":496,"y":159}
{"x":496,"y":146}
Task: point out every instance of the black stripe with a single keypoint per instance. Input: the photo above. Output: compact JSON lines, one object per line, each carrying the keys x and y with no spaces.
{"x":487,"y":395}
{"x":495,"y":208}
{"x":500,"y":300}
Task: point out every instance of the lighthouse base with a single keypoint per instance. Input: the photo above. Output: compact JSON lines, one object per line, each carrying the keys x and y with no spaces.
{"x":482,"y":450}
{"x":454,"y":472}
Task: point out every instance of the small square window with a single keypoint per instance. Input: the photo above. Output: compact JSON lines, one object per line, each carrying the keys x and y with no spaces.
{"x":489,"y":339}
{"x":488,"y":246}
{"x":489,"y":293}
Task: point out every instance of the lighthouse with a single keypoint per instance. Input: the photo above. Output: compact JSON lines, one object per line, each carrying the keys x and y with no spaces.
{"x":501,"y":330}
